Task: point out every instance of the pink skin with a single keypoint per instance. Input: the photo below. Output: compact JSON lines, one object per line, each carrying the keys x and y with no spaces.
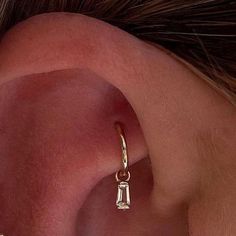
{"x":60,"y":77}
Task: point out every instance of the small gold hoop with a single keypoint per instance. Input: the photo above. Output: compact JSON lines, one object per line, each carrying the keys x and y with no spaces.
{"x":123,"y":175}
{"x":124,"y":149}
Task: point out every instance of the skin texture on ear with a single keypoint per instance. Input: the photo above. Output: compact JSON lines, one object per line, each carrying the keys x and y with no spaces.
{"x":58,"y":141}
{"x":188,"y":128}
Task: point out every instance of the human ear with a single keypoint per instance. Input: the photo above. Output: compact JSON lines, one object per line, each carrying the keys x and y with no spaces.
{"x":173,"y":105}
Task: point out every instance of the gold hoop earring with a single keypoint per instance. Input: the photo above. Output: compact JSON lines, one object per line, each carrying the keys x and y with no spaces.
{"x":123,"y":175}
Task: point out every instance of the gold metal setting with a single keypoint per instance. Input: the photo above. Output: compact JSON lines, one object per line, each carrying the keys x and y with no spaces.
{"x":123,"y":176}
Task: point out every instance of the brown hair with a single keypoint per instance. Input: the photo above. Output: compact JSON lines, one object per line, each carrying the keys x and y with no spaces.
{"x":202,"y":32}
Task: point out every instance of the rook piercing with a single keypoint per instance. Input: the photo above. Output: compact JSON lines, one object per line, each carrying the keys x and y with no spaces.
{"x":123,"y":176}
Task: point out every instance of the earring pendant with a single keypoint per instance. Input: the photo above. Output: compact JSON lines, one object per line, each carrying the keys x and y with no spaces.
{"x":123,"y":175}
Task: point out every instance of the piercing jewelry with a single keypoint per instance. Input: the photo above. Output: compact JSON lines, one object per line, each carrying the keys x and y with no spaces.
{"x":123,"y":175}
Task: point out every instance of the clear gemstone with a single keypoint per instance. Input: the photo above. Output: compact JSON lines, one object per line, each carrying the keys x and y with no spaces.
{"x":123,"y":196}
